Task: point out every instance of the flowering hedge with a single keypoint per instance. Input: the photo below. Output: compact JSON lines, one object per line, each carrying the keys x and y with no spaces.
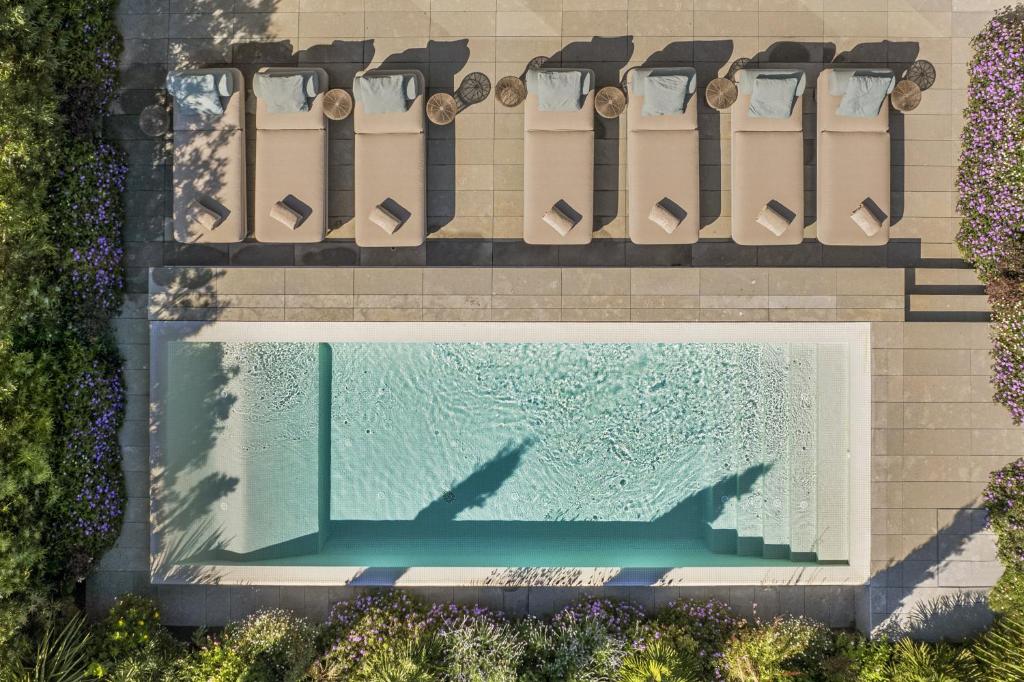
{"x":1004,"y":502}
{"x":61,"y":218}
{"x":991,"y":184}
{"x":391,"y":636}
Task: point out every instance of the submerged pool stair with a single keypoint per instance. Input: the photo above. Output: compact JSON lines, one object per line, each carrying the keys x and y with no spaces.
{"x":782,"y":493}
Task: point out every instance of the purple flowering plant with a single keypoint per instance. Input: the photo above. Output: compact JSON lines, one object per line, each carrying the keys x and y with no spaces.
{"x":991,"y":177}
{"x":1004,"y":503}
{"x":701,"y":627}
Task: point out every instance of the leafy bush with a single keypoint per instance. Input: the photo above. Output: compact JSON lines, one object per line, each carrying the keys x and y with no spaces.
{"x":60,"y":654}
{"x":991,"y":176}
{"x":927,"y":662}
{"x":777,"y":651}
{"x":1004,"y":503}
{"x":477,"y":645}
{"x":130,"y":643}
{"x":856,"y":659}
{"x":658,"y":661}
{"x":1000,"y":651}
{"x":702,"y":628}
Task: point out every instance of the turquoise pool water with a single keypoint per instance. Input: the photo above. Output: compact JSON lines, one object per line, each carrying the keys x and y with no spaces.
{"x":488,"y":454}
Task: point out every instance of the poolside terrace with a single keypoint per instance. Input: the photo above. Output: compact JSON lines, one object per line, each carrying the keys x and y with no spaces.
{"x":936,"y":434}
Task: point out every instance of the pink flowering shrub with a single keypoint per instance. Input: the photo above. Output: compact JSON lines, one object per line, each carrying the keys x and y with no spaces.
{"x":1004,"y":502}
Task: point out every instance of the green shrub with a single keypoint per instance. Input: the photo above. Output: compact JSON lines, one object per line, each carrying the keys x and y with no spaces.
{"x":1000,"y":651}
{"x":699,"y":627}
{"x":855,"y":659}
{"x":130,"y":643}
{"x":405,"y":661}
{"x":926,"y":662}
{"x":783,"y":649}
{"x":1004,"y":503}
{"x":660,"y":662}
{"x":480,"y":646}
{"x":60,"y":654}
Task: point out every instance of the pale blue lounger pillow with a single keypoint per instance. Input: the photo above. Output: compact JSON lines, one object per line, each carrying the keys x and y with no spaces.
{"x":384,"y":94}
{"x":196,"y":92}
{"x":558,"y":90}
{"x":281,"y":94}
{"x":665,"y":95}
{"x":864,"y":95}
{"x":773,"y":96}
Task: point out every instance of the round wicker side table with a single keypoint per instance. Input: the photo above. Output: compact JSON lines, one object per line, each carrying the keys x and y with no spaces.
{"x":610,"y":101}
{"x":721,"y":94}
{"x":337,"y":104}
{"x":905,"y":96}
{"x":441,"y":108}
{"x":510,"y":91}
{"x":154,"y":120}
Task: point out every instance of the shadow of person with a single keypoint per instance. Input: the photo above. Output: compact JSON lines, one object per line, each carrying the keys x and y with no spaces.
{"x":440,"y":61}
{"x":607,"y":56}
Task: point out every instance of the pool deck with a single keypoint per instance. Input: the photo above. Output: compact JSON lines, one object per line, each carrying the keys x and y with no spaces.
{"x":936,"y":434}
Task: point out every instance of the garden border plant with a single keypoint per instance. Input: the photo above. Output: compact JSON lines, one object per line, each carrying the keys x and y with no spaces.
{"x":61,"y":254}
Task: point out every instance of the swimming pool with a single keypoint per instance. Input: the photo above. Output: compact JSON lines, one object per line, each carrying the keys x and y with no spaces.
{"x":451,"y":453}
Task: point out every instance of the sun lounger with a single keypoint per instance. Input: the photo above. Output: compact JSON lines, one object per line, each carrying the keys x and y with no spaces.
{"x":209,"y":155}
{"x":767,"y":160}
{"x":290,"y":204}
{"x":662,"y":160}
{"x":558,"y":167}
{"x":390,"y":162}
{"x":853,"y":198}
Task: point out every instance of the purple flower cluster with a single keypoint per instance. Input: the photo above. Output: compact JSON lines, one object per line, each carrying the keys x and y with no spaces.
{"x":92,"y":414}
{"x":90,"y":199}
{"x":991,"y":178}
{"x":1008,"y":356}
{"x":618,"y":618}
{"x":360,"y":624}
{"x":1004,"y":502}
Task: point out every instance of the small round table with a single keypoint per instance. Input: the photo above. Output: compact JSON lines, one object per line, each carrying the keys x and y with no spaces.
{"x":610,"y":101}
{"x":154,"y":120}
{"x":441,"y":108}
{"x":721,"y":94}
{"x":510,"y":91}
{"x":905,"y":96}
{"x":337,"y":104}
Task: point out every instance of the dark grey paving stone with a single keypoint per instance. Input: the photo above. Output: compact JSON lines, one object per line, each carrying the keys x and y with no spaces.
{"x":144,"y":76}
{"x":396,"y":257}
{"x":638,"y":256}
{"x":262,"y":254}
{"x":456,"y":252}
{"x":853,"y":256}
{"x":195,"y":254}
{"x":608,"y":253}
{"x":515,"y":253}
{"x":903,"y":254}
{"x":278,"y":53}
{"x":327,"y":253}
{"x":723,"y":254}
{"x":806,"y":255}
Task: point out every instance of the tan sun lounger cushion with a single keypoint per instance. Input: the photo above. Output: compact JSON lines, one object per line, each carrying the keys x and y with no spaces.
{"x":866,"y":220}
{"x":853,"y":168}
{"x":209,"y":169}
{"x":385,"y":219}
{"x":635,"y":120}
{"x":291,"y":167}
{"x":767,"y":167}
{"x":663,"y":166}
{"x":829,"y":119}
{"x":559,"y":221}
{"x":391,"y":170}
{"x":772,"y":220}
{"x":559,"y":167}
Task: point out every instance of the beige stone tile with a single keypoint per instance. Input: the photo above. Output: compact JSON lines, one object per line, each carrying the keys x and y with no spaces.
{"x":919,"y":24}
{"x":319,"y":314}
{"x":664,"y":314}
{"x":595,"y":281}
{"x":922,"y":415}
{"x":595,"y":314}
{"x":936,"y":362}
{"x":529,"y":23}
{"x":664,"y":282}
{"x":803,"y":315}
{"x":793,"y":23}
{"x":388,"y":301}
{"x":525,"y":301}
{"x":388,"y":281}
{"x":318,"y":300}
{"x":456,"y":314}
{"x":599,"y":22}
{"x":333,"y":281}
{"x":724,"y":24}
{"x":802,"y":282}
{"x":734,"y":281}
{"x":526,"y":314}
{"x":402,"y":24}
{"x":508,"y":203}
{"x":855,"y":24}
{"x":477,"y":301}
{"x":951,"y":493}
{"x":875,"y":302}
{"x":527,"y":281}
{"x":388,"y":315}
{"x":461,"y":24}
{"x":331,"y":25}
{"x":733,"y":315}
{"x":931,"y":468}
{"x":660,"y":23}
{"x":457,"y":281}
{"x":946,"y":335}
{"x":869,"y":281}
{"x":936,"y":441}
{"x":868,"y":314}
{"x":1002,"y":442}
